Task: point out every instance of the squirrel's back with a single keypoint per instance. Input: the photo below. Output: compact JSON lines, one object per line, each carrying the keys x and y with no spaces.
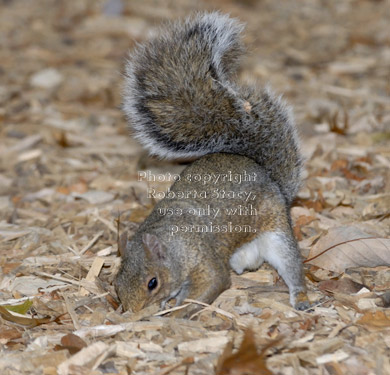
{"x":181,"y":101}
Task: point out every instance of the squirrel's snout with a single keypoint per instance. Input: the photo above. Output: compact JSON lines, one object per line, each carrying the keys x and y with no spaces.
{"x":128,"y":303}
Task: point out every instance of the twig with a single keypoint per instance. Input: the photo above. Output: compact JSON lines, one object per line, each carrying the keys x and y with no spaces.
{"x":71,"y":311}
{"x":185,"y":362}
{"x":171,"y":309}
{"x":65,"y":280}
{"x":107,"y":223}
{"x":212,"y":308}
{"x":191,"y":301}
{"x":91,"y":243}
{"x":75,"y":252}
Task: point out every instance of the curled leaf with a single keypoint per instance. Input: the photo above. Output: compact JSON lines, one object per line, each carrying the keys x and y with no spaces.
{"x":346,"y":247}
{"x":24,"y":321}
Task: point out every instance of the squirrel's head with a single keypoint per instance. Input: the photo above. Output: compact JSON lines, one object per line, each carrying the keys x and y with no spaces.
{"x":143,"y":279}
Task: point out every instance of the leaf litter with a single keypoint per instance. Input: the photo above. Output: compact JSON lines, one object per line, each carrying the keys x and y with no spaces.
{"x":69,"y":189}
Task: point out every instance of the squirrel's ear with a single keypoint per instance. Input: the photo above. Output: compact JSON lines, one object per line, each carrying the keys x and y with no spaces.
{"x":152,"y":246}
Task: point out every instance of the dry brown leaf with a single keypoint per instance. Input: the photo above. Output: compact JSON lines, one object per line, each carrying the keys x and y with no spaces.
{"x":336,"y":127}
{"x":187,"y":361}
{"x":62,"y":140}
{"x":299,"y":223}
{"x":316,"y":202}
{"x":344,"y":285}
{"x":63,"y":190}
{"x":71,"y":342}
{"x":376,"y":320}
{"x":376,"y":279}
{"x":8,"y":267}
{"x":9,"y":334}
{"x":339,"y":164}
{"x":79,"y":187}
{"x":247,"y":361}
{"x":345,"y":247}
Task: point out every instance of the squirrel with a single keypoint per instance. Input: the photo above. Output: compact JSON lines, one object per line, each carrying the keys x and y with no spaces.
{"x":182,"y":102}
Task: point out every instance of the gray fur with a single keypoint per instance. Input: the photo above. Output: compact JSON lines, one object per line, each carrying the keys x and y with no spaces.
{"x":181,"y":101}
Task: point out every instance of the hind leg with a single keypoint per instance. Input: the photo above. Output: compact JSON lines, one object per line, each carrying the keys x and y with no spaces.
{"x":280,"y":250}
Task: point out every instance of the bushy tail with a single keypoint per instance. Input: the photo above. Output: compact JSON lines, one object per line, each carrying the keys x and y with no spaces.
{"x":181,"y":100}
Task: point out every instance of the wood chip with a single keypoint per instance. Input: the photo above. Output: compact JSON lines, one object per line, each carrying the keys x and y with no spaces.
{"x":83,"y":357}
{"x":208,"y":345}
{"x":93,"y":273}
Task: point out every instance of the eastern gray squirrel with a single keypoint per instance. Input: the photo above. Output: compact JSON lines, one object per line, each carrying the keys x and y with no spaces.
{"x":181,"y":101}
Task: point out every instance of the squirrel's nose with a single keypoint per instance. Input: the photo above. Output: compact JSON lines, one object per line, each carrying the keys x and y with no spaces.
{"x":132,"y":305}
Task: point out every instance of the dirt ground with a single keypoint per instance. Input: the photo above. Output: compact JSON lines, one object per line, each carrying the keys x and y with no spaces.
{"x":69,"y":183}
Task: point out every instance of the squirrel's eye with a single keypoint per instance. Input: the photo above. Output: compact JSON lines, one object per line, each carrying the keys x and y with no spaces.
{"x":152,"y":283}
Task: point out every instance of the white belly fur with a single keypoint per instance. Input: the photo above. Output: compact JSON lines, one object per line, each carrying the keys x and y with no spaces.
{"x":268,"y":246}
